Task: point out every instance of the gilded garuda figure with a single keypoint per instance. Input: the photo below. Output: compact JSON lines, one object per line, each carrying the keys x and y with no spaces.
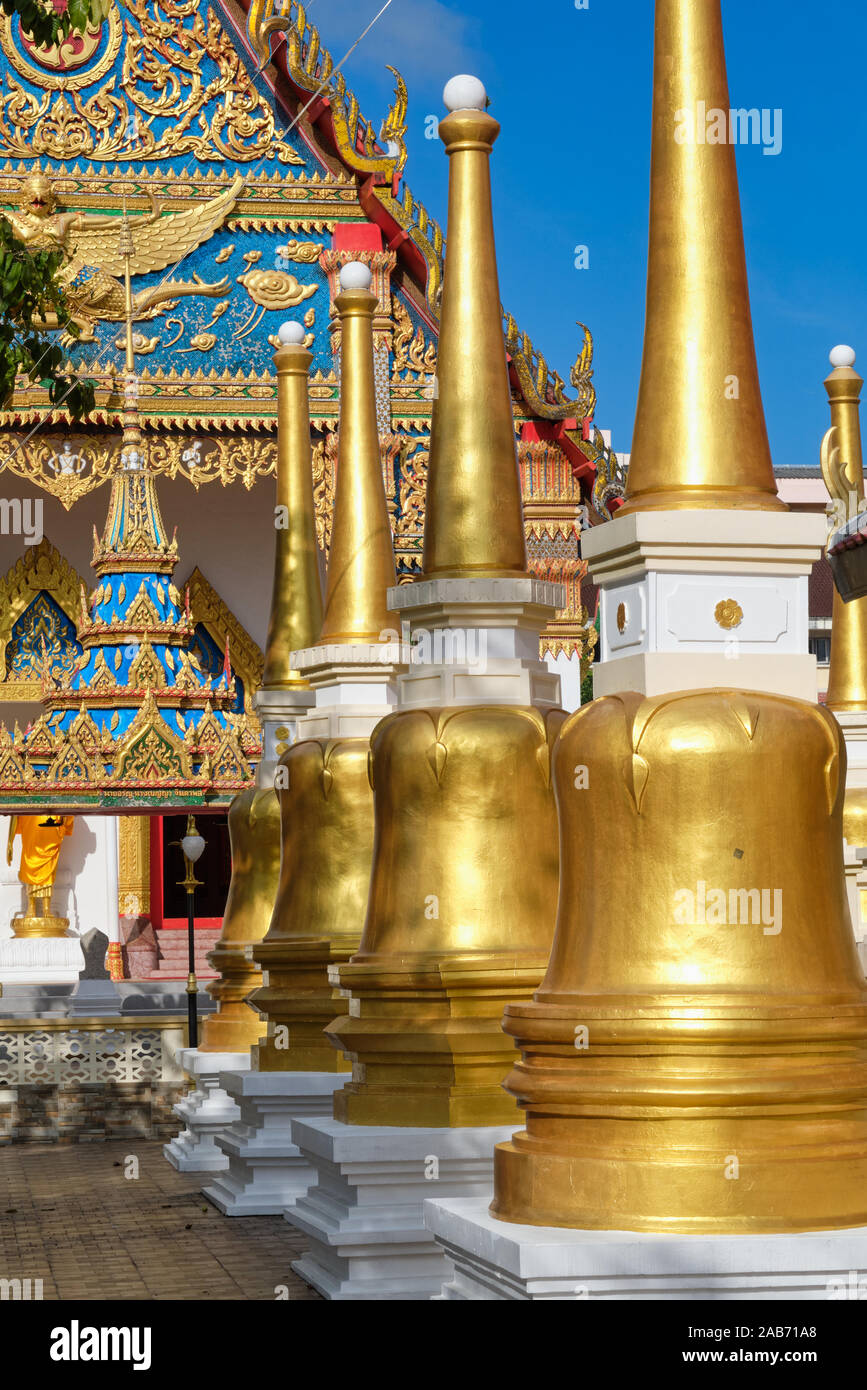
{"x":94,"y":260}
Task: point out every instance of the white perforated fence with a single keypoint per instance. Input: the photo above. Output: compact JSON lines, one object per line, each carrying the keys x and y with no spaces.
{"x":35,"y":1055}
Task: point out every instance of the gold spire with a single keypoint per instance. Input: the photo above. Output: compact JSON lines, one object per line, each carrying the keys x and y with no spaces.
{"x":844,"y":476}
{"x":361,"y":562}
{"x":131,"y":430}
{"x":134,"y":533}
{"x":296,"y":602}
{"x":700,"y":438}
{"x":474,"y":523}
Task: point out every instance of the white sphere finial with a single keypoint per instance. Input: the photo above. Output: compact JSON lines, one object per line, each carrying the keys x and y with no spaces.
{"x":291,"y":334}
{"x":842,"y":356}
{"x":355,"y":276}
{"x":465,"y":93}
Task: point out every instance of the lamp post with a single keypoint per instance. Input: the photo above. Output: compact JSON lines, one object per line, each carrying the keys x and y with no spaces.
{"x":192,"y":845}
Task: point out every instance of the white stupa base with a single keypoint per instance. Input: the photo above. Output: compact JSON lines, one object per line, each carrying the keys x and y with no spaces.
{"x":364,"y":1215}
{"x":279,"y":712}
{"x":475,"y":641}
{"x":496,"y":1260}
{"x":264,"y":1170}
{"x":207,"y":1111}
{"x":354,"y":685}
{"x":568,"y":668}
{"x":854,"y":726}
{"x":662,"y":673}
{"x":51,"y":960}
{"x":695,"y":599}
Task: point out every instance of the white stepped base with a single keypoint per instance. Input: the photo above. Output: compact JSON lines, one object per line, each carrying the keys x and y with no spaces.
{"x":206,"y":1112}
{"x":364,"y":1214}
{"x":264,"y":1170}
{"x":47,"y":960}
{"x":497,"y":1260}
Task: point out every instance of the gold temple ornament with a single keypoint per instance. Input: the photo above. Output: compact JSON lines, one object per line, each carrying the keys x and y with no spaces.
{"x":94,"y":241}
{"x":728,"y":614}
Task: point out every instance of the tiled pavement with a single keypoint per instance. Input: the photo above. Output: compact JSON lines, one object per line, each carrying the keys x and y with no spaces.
{"x":70,"y":1217}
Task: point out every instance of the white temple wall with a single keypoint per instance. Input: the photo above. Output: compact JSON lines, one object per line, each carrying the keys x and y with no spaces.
{"x":568,"y":668}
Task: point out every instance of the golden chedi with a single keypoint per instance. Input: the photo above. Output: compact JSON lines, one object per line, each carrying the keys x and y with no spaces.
{"x":462,"y":904}
{"x":326,"y":810}
{"x":843,"y":472}
{"x":464,"y":880}
{"x":254,"y":837}
{"x":326,"y":804}
{"x":296,"y":596}
{"x":695,"y":1059}
{"x":296,"y":616}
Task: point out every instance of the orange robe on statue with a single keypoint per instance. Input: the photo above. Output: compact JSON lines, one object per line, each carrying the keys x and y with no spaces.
{"x":40,"y":847}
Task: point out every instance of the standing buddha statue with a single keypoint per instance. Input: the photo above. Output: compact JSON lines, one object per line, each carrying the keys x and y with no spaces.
{"x":41,"y":838}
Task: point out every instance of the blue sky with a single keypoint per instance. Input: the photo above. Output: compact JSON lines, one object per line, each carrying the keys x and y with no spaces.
{"x":572,"y":90}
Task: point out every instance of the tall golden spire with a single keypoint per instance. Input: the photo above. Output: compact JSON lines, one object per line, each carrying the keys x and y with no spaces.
{"x":473,"y":522}
{"x":296,"y":601}
{"x":700,"y":438}
{"x":361,"y":562}
{"x":843,"y":471}
{"x":131,"y":427}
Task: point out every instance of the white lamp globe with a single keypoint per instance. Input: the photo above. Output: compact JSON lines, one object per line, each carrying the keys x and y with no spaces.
{"x":193,"y":847}
{"x":842,"y":356}
{"x":356,"y":276}
{"x":291,"y":334}
{"x":465,"y":93}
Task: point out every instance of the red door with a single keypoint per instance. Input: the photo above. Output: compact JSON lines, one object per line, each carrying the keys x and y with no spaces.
{"x":214,"y":870}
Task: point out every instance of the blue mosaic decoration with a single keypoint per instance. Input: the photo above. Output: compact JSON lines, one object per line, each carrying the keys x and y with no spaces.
{"x":43,"y":633}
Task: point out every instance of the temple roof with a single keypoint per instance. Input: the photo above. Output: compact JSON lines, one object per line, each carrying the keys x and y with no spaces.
{"x":137,"y":722}
{"x":163,"y":104}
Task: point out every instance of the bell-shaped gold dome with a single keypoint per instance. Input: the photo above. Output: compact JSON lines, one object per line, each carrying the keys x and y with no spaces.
{"x":696,"y":1057}
{"x":462,"y":903}
{"x":254,"y":836}
{"x":326,"y":816}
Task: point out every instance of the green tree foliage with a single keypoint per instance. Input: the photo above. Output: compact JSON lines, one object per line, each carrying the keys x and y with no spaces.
{"x":29,"y":295}
{"x":46,"y":21}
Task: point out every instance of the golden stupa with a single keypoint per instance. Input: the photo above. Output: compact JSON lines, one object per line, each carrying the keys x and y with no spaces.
{"x":696,"y":1057}
{"x":296,"y":616}
{"x":464,"y":880}
{"x":843,"y":471}
{"x":326,"y":804}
